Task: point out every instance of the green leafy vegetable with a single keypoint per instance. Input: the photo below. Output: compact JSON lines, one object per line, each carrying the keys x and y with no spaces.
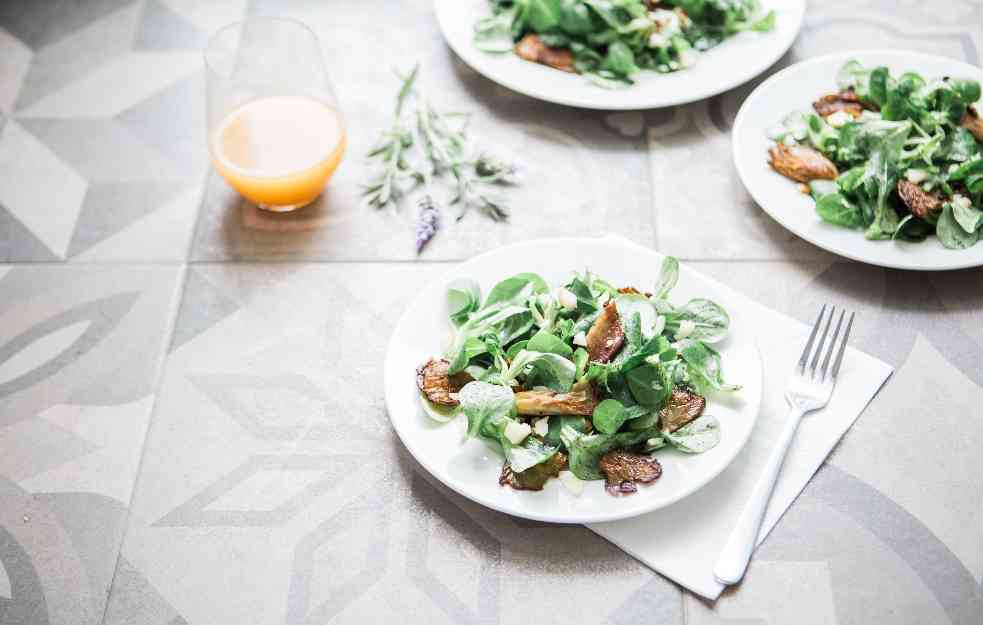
{"x":613,"y":40}
{"x":902,"y":155}
{"x":697,"y":436}
{"x":609,"y":416}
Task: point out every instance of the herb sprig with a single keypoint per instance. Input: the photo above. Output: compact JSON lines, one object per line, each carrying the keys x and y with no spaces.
{"x":423,"y":146}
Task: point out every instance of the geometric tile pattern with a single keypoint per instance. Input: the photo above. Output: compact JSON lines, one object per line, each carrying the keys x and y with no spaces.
{"x":187,"y":440}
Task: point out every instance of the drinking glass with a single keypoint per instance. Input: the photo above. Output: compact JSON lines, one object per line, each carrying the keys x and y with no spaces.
{"x":274,"y":129}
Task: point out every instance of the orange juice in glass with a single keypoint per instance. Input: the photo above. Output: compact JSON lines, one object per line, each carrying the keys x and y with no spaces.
{"x":275,"y":133}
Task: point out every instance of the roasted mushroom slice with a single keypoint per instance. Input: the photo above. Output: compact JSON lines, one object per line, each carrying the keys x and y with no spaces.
{"x":918,"y":201}
{"x":801,"y":163}
{"x":437,"y":385}
{"x":624,"y":470}
{"x":606,"y":335}
{"x":846,"y":101}
{"x":535,"y":477}
{"x":972,"y":122}
{"x":532,"y":48}
{"x":682,"y":407}
{"x":579,"y":401}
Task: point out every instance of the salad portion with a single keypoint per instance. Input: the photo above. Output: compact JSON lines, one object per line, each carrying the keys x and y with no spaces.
{"x":582,"y":382}
{"x":899,"y":157}
{"x":610,"y":41}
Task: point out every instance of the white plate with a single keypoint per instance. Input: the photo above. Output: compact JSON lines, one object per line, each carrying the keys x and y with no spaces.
{"x":795,"y":88}
{"x":724,"y":67}
{"x":472,"y":467}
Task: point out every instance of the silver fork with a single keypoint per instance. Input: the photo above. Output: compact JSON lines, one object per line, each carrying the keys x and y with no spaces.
{"x":809,"y":388}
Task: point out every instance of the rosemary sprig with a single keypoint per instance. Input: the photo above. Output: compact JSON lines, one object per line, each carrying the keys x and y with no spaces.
{"x":434,"y":146}
{"x":392,"y":151}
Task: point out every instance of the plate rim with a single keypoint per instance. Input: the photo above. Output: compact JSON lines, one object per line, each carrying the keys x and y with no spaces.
{"x":759,"y":93}
{"x":717,"y":89}
{"x":752,"y":408}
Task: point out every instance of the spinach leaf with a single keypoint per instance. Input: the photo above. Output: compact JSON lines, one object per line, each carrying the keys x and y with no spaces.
{"x":463,"y":298}
{"x":575,"y":17}
{"x":649,"y":322}
{"x":609,"y":415}
{"x":551,"y":370}
{"x":620,"y":59}
{"x":968,"y":217}
{"x":530,"y":452}
{"x":697,"y":436}
{"x":514,"y":290}
{"x":486,"y":405}
{"x":585,"y":299}
{"x":836,"y":209}
{"x":542,"y":15}
{"x":580,"y":359}
{"x":559,"y":422}
{"x":703,"y":365}
{"x":494,"y":33}
{"x":879,"y":179}
{"x":950,"y":233}
{"x":710,"y":321}
{"x":650,"y":384}
{"x":668,"y":277}
{"x":547,"y":342}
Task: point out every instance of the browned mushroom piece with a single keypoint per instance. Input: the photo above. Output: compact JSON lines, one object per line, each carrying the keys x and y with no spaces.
{"x":606,"y":336}
{"x":846,"y":101}
{"x":630,"y":290}
{"x":801,"y":163}
{"x":918,"y":201}
{"x":682,"y":407}
{"x":580,"y":400}
{"x":532,"y":48}
{"x":433,"y":380}
{"x":623,"y":470}
{"x":535,"y":477}
{"x":972,"y":122}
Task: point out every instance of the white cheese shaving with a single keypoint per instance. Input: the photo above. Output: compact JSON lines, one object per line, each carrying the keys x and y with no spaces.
{"x":580,"y":339}
{"x":686,"y":328}
{"x":517,"y":432}
{"x":916,"y":176}
{"x":566,"y":298}
{"x":838,"y":119}
{"x":542,"y":426}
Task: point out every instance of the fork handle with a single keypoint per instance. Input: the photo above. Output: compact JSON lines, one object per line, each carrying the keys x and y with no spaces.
{"x":737,"y":552}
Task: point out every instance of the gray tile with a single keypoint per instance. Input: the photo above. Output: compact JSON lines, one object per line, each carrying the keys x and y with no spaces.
{"x":163,"y":29}
{"x":17,"y":243}
{"x":109,"y":208}
{"x":80,"y":349}
{"x":40,"y":23}
{"x":78,"y":53}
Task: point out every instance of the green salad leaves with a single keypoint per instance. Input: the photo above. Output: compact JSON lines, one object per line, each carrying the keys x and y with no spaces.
{"x":583,"y":370}
{"x":905,"y":153}
{"x":612,"y":40}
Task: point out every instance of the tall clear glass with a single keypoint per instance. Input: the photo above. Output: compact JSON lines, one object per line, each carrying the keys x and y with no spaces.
{"x":274,"y":129}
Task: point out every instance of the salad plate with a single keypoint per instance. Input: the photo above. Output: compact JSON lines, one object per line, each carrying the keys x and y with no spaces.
{"x":725,"y":66}
{"x":926,"y":159}
{"x":471,"y":466}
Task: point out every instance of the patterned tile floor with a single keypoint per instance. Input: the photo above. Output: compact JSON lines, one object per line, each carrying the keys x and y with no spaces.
{"x":169,"y":421}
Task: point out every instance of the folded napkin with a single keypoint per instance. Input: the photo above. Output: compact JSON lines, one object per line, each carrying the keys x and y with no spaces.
{"x":684,"y":540}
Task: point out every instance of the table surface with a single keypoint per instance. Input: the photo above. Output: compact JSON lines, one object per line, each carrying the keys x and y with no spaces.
{"x":186,"y":383}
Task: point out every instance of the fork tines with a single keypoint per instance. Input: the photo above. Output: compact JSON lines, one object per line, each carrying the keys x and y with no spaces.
{"x":811,"y":367}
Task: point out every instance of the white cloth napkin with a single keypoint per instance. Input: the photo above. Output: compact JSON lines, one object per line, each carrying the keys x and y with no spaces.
{"x":684,"y":540}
